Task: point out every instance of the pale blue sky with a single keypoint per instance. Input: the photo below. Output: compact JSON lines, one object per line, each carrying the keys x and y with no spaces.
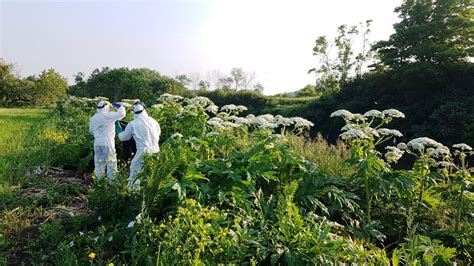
{"x":198,"y":38}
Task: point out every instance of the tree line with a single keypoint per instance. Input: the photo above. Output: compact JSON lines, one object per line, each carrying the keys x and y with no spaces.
{"x":424,"y":69}
{"x":46,"y":88}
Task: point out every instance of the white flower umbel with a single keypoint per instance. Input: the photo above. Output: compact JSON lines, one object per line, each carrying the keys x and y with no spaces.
{"x":462,"y":147}
{"x":284,"y":121}
{"x":215,"y":119}
{"x":393,"y":113}
{"x":353,"y":134}
{"x":215,"y":123}
{"x":127,"y":105}
{"x":229,"y":107}
{"x":222,"y":115}
{"x":232,"y":117}
{"x":241,"y":108}
{"x":371,"y":132}
{"x":441,"y":151}
{"x":301,"y":122}
{"x":358,"y":117}
{"x":212,"y":109}
{"x":170,"y":97}
{"x":347,"y":127}
{"x":422,"y":143}
{"x":343,"y":113}
{"x":393,"y":154}
{"x":402,"y":146}
{"x":242,"y":121}
{"x":389,"y":132}
{"x":230,"y":124}
{"x":157,"y":106}
{"x":201,"y":101}
{"x":268,"y":117}
{"x":261,"y":122}
{"x":373,"y":113}
{"x":129,"y":101}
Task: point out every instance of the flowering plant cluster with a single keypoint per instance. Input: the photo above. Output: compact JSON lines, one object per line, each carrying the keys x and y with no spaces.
{"x":363,"y":132}
{"x":230,"y":187}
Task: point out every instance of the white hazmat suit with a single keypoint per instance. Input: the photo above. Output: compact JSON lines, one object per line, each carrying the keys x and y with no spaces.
{"x":146,"y":133}
{"x":102,"y":126}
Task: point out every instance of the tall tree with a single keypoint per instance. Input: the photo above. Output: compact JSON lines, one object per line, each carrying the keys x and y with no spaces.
{"x":225,"y":83}
{"x":50,"y":86}
{"x":118,"y":83}
{"x":195,"y":78}
{"x":8,"y":82}
{"x":344,"y":42}
{"x":430,"y":31}
{"x":238,"y":76}
{"x":183,"y":79}
{"x":47,"y":88}
{"x":335,"y":69}
{"x":258,"y":87}
{"x":204,"y":85}
{"x":326,"y":75}
{"x":249,"y":80}
{"x":366,"y":54}
{"x":308,"y":91}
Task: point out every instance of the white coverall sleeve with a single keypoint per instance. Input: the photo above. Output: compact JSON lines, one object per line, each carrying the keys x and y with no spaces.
{"x":127,"y":133}
{"x":117,"y":115}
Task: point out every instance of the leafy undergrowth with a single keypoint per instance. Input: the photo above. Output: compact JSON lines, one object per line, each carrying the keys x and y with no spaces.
{"x":227,"y":188}
{"x":43,"y":208}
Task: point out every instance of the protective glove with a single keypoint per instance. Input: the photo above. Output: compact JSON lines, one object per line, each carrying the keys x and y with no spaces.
{"x":116,"y":105}
{"x":118,"y":128}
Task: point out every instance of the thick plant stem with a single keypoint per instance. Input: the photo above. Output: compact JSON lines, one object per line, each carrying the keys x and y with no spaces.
{"x":424,"y":174}
{"x":420,"y":197}
{"x":367,"y":197}
{"x":459,"y":210}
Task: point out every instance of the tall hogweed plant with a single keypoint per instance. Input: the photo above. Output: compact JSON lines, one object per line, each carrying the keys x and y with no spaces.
{"x":363,"y":132}
{"x":433,"y":161}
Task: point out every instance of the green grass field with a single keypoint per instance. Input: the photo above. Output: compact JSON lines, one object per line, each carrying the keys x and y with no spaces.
{"x":30,"y":203}
{"x":16,"y":127}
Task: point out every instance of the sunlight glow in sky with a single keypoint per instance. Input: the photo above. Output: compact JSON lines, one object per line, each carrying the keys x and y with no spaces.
{"x":272,"y":38}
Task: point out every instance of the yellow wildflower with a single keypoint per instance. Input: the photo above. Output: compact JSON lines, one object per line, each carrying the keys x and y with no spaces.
{"x":92,"y":255}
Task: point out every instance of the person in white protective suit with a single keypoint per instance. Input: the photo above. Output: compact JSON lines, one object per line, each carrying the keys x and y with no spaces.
{"x":146,"y":133}
{"x":102,"y":127}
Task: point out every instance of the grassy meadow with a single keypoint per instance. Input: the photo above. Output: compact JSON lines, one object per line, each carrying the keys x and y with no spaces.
{"x":32,"y":195}
{"x":17,"y":141}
